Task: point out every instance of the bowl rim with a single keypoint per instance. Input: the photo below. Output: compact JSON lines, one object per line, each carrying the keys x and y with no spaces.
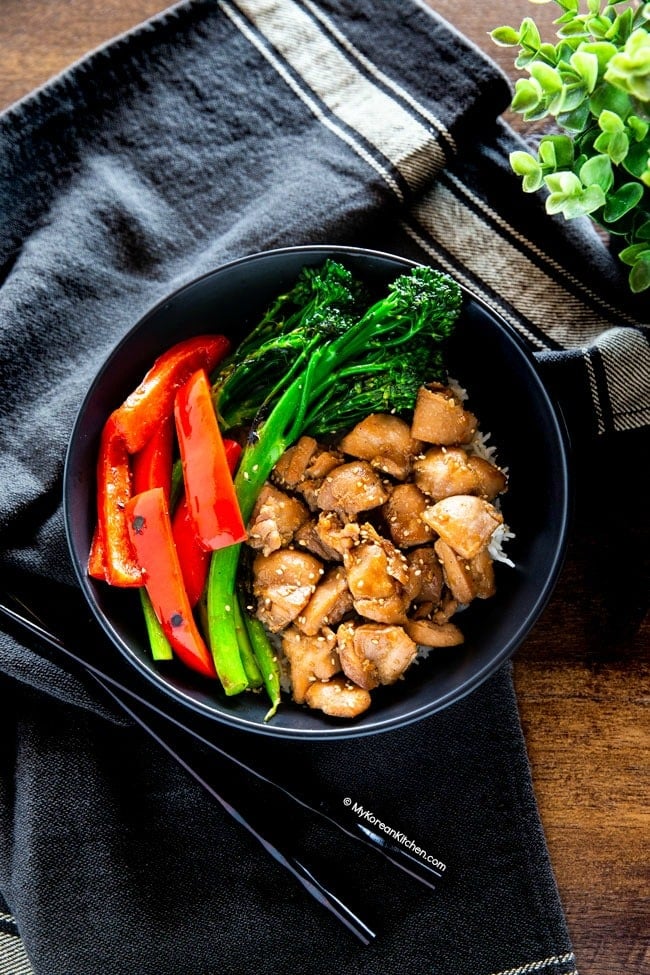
{"x":333,"y":732}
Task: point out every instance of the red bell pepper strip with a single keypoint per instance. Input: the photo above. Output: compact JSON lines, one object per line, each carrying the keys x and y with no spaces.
{"x":209,"y":487}
{"x":152,"y":466}
{"x":114,"y":489}
{"x":233,"y":453}
{"x":96,"y":559}
{"x":142,"y":411}
{"x":150,"y":531}
{"x":193,"y":557}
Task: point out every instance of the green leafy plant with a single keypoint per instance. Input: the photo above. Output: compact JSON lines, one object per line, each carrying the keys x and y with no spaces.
{"x":595,"y":83}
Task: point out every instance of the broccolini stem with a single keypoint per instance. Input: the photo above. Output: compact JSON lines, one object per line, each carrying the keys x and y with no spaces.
{"x":257,"y":462}
{"x":267,"y":659}
{"x":247,"y":654}
{"x":222,"y":626}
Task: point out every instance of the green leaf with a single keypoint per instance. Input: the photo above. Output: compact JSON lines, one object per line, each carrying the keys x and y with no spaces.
{"x":608,"y":98}
{"x":618,"y":147}
{"x":562,"y":148}
{"x":643,"y":232}
{"x":505,"y":36}
{"x":593,"y":6}
{"x":610,"y":122}
{"x":572,"y":97}
{"x":547,"y":77}
{"x":638,"y":159}
{"x":600,"y":26}
{"x":546,"y":154}
{"x":621,"y":27}
{"x":548,"y":52}
{"x":524,"y":58}
{"x":523,"y":164}
{"x":575,"y":120}
{"x":622,"y":201}
{"x":638,"y":127}
{"x":536,"y":113}
{"x":597,"y":171}
{"x":586,"y":66}
{"x":529,"y":34}
{"x":565,"y":49}
{"x":629,"y":255}
{"x":528,"y":95}
{"x":567,"y":184}
{"x":592,"y":199}
{"x":576,"y":206}
{"x":602,"y":50}
{"x":639,"y":278}
{"x":629,"y":69}
{"x":574,"y":28}
{"x":615,"y":145}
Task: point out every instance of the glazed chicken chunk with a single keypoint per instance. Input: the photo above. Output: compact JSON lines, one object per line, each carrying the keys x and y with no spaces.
{"x":464,"y":522}
{"x":283,"y":583}
{"x":425,"y":575}
{"x":338,"y":698}
{"x":329,"y":603}
{"x":385,"y":441}
{"x":290,"y":469}
{"x":351,"y":488}
{"x":428,"y":633}
{"x":445,"y":471}
{"x":310,"y":658}
{"x":372,"y":654}
{"x":439,"y":417}
{"x":275,"y":519}
{"x":403,"y":513}
{"x":377,"y":577}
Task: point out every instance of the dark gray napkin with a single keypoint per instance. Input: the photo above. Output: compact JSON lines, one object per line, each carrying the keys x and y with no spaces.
{"x":216,"y":130}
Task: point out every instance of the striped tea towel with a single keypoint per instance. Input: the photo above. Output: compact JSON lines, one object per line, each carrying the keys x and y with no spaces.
{"x":221,"y":128}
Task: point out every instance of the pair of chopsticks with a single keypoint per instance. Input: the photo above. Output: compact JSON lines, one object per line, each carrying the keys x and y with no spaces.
{"x":197,"y":754}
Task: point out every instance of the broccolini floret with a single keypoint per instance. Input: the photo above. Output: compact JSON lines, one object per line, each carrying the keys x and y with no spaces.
{"x":318,"y":307}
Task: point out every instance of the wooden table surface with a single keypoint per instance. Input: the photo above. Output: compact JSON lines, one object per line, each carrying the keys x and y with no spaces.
{"x":582,"y":676}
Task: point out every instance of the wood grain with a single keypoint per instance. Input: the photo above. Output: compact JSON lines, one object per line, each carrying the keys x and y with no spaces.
{"x":583,"y":676}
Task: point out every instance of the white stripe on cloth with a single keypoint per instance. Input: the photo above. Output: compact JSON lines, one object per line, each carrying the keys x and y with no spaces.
{"x":382,"y":78}
{"x":538,"y":966}
{"x":558,"y":269}
{"x":474,"y":243}
{"x":351,"y":97}
{"x":473,"y":286}
{"x":311,"y":103}
{"x":625,"y":357}
{"x":13,"y":958}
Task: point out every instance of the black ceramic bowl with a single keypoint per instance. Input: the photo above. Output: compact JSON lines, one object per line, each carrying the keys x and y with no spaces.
{"x":485,"y":356}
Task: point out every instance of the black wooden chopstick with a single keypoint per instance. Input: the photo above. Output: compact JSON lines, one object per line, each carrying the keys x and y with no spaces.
{"x":262,"y":829}
{"x":340,"y":818}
